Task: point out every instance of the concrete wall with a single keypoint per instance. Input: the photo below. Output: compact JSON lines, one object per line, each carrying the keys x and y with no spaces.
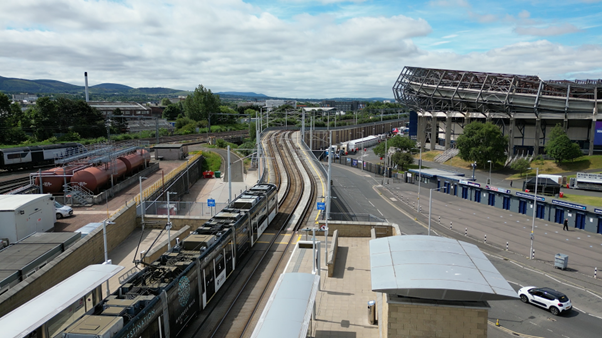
{"x":408,"y":319}
{"x":361,"y":229}
{"x":332,"y":253}
{"x":89,"y":250}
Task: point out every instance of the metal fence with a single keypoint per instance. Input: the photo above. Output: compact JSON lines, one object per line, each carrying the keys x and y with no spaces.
{"x":175,"y":208}
{"x":344,"y":216}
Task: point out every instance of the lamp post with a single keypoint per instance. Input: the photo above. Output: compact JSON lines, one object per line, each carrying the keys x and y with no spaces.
{"x":142,"y":209}
{"x":168,"y":227}
{"x":430,"y":207}
{"x":489,"y":179}
{"x":229,"y":177}
{"x":419,"y":176}
{"x":534,"y":210}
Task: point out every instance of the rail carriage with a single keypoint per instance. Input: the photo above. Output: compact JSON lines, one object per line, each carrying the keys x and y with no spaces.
{"x":160,"y":300}
{"x":29,"y":157}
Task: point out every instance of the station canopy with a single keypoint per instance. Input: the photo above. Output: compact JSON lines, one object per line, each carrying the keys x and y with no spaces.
{"x":435,"y":268}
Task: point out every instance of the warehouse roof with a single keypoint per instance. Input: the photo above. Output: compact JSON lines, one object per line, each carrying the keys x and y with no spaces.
{"x":435,"y":268}
{"x":13,"y":202}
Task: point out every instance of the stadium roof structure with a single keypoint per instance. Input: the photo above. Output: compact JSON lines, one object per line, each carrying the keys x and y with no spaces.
{"x":427,"y":89}
{"x":435,"y":268}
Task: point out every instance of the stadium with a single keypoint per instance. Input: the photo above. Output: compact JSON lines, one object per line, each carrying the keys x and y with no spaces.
{"x":525,"y":107}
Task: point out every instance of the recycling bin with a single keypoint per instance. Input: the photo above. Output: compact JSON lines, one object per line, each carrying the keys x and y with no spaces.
{"x":561,"y":261}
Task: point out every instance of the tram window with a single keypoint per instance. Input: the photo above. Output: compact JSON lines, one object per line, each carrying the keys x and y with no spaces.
{"x":219,"y":264}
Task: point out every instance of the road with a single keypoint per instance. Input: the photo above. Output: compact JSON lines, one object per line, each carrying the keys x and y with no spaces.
{"x":585,"y":321}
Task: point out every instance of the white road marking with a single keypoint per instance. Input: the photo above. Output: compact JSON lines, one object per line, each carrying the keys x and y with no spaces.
{"x":578,"y":309}
{"x":595,"y":316}
{"x":393,"y":199}
{"x":371,"y":203}
{"x":593,"y":294}
{"x":380,"y":212}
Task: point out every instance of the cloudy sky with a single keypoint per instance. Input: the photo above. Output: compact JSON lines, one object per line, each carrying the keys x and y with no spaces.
{"x":294,"y":48}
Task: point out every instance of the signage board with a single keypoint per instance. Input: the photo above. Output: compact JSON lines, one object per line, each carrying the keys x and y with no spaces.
{"x":598,"y":211}
{"x":472,"y":184}
{"x":321,"y":206}
{"x":211,"y":202}
{"x":522,"y":194}
{"x":492,"y":188}
{"x":598,"y":135}
{"x":570,"y":205}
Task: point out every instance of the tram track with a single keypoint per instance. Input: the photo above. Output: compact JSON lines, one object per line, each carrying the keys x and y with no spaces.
{"x":10,"y":185}
{"x":264,"y":263}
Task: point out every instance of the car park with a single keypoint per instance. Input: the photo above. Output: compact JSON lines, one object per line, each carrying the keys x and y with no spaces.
{"x":547,"y":298}
{"x":62,"y":210}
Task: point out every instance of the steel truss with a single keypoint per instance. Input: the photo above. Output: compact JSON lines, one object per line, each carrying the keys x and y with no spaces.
{"x":440,"y":90}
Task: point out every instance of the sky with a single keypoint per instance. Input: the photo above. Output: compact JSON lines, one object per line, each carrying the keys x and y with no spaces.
{"x":295,"y":48}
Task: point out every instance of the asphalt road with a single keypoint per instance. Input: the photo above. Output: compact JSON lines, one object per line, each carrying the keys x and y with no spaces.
{"x":359,"y":192}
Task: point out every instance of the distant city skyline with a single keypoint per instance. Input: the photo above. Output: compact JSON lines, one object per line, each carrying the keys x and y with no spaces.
{"x":294,"y":48}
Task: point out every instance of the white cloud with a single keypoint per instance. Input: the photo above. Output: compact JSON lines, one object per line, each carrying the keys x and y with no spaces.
{"x":483,"y":18}
{"x":547,"y":31}
{"x":449,"y":3}
{"x":232,"y":45}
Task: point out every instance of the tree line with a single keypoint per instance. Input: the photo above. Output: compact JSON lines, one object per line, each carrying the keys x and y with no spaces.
{"x":65,"y":118}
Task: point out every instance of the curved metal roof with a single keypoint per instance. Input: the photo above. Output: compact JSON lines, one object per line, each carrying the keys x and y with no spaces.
{"x":31,"y":315}
{"x":436,"y":268}
{"x":288,"y":311}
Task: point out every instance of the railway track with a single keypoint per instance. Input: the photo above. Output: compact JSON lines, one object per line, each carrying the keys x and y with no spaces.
{"x":10,"y":185}
{"x":241,"y":307}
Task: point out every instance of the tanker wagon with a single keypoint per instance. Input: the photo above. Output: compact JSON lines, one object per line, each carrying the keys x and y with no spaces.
{"x":22,"y":215}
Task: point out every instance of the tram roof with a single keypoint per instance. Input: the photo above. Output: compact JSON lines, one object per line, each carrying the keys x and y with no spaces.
{"x":33,"y":314}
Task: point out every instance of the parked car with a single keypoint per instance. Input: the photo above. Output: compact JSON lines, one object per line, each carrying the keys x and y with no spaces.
{"x":555,"y":301}
{"x":62,"y":210}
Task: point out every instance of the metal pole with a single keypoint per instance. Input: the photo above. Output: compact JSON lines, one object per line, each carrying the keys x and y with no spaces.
{"x":168,"y":223}
{"x":311,"y":132}
{"x":313,"y":250}
{"x":229,"y":178}
{"x":430,"y":208}
{"x":258,"y":154}
{"x":141,"y":204}
{"x":534,"y":210}
{"x":419,"y":175}
{"x":328,"y":196}
{"x":489,"y":181}
{"x":41,"y":184}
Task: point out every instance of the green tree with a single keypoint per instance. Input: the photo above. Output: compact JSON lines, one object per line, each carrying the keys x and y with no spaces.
{"x":201,"y":104}
{"x":521,"y":165}
{"x":165,"y":102}
{"x":403,"y":160}
{"x":44,"y":119}
{"x":403,"y":143}
{"x":560,"y":147}
{"x":172,"y":111}
{"x":481,"y":142}
{"x":78,"y":117}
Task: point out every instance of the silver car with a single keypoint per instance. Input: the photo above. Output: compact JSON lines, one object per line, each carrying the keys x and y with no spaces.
{"x":62,"y":210}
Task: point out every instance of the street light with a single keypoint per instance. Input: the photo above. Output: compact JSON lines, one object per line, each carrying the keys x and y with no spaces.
{"x":142,"y":209}
{"x":489,"y":180}
{"x":534,"y":210}
{"x":168,"y":227}
{"x":430,"y":207}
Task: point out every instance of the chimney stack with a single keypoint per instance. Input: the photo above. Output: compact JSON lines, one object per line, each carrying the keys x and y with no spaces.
{"x":86,"y":76}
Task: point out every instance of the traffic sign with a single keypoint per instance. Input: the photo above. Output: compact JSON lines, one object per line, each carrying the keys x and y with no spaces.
{"x":211,"y":202}
{"x":323,"y":227}
{"x":321,"y":206}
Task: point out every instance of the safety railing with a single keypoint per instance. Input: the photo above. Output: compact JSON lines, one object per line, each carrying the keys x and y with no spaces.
{"x":159,"y":184}
{"x":183,"y":208}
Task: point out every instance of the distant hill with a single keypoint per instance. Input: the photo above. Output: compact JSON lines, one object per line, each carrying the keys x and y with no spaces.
{"x":246,"y":94}
{"x":111,"y":86}
{"x":36,"y":86}
{"x":13,"y":85}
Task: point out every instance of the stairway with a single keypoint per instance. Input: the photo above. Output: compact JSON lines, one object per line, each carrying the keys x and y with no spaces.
{"x":79,"y":194}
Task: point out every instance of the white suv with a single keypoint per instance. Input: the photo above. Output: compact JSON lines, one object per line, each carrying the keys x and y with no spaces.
{"x":555,"y":301}
{"x":62,"y":210}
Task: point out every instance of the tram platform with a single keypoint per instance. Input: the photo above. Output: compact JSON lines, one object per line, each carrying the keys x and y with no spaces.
{"x":341,"y":302}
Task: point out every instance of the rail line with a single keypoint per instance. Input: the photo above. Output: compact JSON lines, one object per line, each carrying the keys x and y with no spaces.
{"x":236,"y":319}
{"x":10,"y":185}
